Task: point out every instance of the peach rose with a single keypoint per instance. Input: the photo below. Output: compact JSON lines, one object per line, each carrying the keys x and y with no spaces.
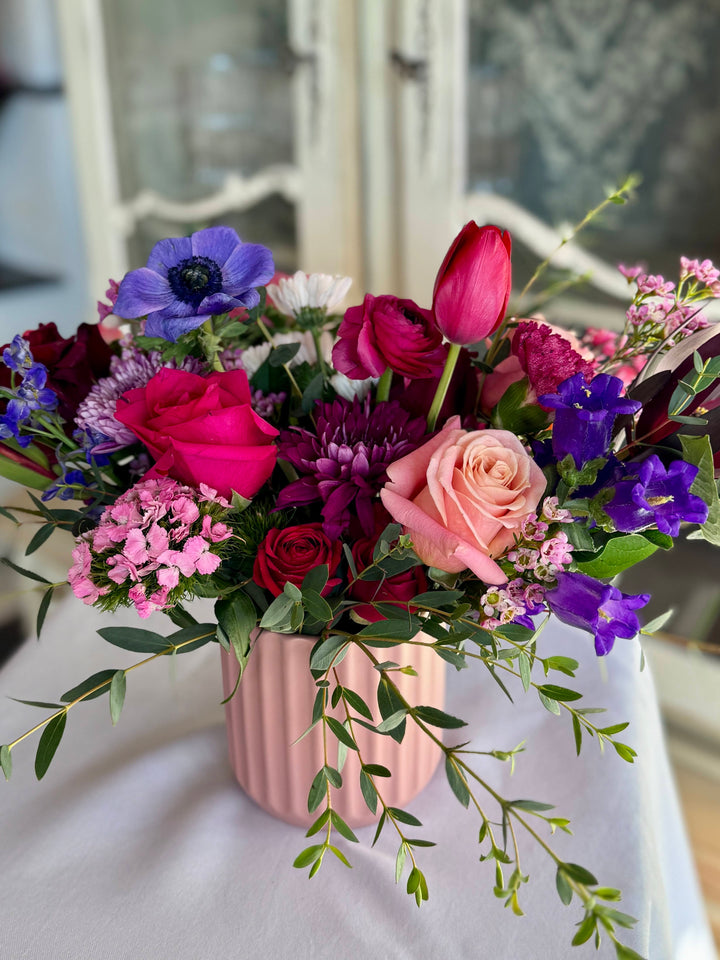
{"x":462,"y":496}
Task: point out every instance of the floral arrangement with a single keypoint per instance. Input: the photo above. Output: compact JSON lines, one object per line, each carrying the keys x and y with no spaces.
{"x":457,"y":471}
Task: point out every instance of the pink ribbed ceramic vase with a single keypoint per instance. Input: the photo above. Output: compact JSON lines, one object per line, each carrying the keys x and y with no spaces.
{"x":273,"y":706}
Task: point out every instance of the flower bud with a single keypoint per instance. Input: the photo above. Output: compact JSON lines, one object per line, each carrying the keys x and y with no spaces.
{"x":473,"y":284}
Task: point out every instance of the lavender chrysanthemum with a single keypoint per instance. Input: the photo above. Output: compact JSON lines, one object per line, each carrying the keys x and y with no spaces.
{"x":96,"y":413}
{"x":344,"y":462}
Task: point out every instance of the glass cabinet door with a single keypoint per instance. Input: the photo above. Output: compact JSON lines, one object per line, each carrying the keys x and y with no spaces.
{"x":566,"y":97}
{"x":187,"y":114}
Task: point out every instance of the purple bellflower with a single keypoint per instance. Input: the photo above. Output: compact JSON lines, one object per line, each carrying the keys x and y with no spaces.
{"x":189,"y":279}
{"x":585,"y":414}
{"x":17,"y":356}
{"x":344,"y":462}
{"x":596,"y":607}
{"x":659,"y":496}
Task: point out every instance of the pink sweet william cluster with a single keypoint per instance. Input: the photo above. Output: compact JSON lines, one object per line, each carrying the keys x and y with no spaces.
{"x":151,"y":543}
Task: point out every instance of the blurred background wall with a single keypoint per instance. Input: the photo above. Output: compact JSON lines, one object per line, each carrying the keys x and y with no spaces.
{"x":355,"y":137}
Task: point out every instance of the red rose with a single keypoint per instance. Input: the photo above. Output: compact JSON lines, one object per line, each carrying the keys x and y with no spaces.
{"x":286,"y":556}
{"x":73,"y":364}
{"x":473,"y":284}
{"x":400,"y":588}
{"x":387,"y":332}
{"x":202,"y":430}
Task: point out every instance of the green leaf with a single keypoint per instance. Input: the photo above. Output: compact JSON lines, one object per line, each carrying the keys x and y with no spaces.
{"x":400,"y":861}
{"x":376,"y":770}
{"x":332,"y":776}
{"x":367,"y":788}
{"x":341,"y":732}
{"x":438,"y":718}
{"x":579,"y":874}
{"x":698,"y":451}
{"x":626,"y":953}
{"x":43,"y":609}
{"x":236,"y":619}
{"x":42,"y":704}
{"x":328,"y":652}
{"x":511,"y":412}
{"x":316,"y":606}
{"x":577,"y":733}
{"x":531,"y":805}
{"x":6,"y":761}
{"x":437,"y":598}
{"x":316,"y":579}
{"x":393,"y":721}
{"x":283,"y":354}
{"x":558,"y":693}
{"x":39,"y":538}
{"x":278,"y":615}
{"x":565,"y":665}
{"x":393,"y":629}
{"x":552,"y":705}
{"x":117,"y":695}
{"x":404,"y":817}
{"x":135,"y":639}
{"x":309,"y":855}
{"x":563,"y":887}
{"x":389,"y":703}
{"x":524,"y":665}
{"x":101,"y":677}
{"x":192,"y":637}
{"x":23,"y":572}
{"x":579,"y":536}
{"x":342,"y":828}
{"x":319,"y":823}
{"x":317,"y":791}
{"x":341,"y":856}
{"x":617,"y":555}
{"x":355,"y":701}
{"x":49,"y":742}
{"x":657,"y":623}
{"x":179,"y":616}
{"x":457,"y":784}
{"x":585,"y":930}
{"x":615,"y":728}
{"x":312,"y":393}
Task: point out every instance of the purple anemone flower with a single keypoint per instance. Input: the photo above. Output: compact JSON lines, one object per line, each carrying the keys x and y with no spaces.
{"x":597,"y":607}
{"x":344,"y":462}
{"x":189,"y":279}
{"x":585,"y":414}
{"x":654,"y":495}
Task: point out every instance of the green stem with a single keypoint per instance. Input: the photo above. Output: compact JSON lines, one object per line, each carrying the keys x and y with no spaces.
{"x":442,"y":387}
{"x":320,"y":359}
{"x":383,"y":387}
{"x":213,"y":352}
{"x":268,"y":336}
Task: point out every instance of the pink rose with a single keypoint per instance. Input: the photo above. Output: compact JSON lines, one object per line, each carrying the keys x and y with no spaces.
{"x":202,"y":430}
{"x":462,"y":496}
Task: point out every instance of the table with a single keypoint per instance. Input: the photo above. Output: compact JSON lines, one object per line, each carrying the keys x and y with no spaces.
{"x":139,"y":844}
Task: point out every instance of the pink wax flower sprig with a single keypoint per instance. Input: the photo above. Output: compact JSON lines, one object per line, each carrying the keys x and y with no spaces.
{"x":150,"y":546}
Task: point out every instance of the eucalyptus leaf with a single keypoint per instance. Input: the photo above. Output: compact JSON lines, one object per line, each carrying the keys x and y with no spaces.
{"x":43,"y":609}
{"x":236,"y":619}
{"x":6,"y":761}
{"x":30,"y":574}
{"x":48,"y":744}
{"x":135,"y":639}
{"x":39,"y":538}
{"x":100,"y":679}
{"x":117,"y":695}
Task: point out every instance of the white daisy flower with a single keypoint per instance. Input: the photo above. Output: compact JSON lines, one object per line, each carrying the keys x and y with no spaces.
{"x":315,"y":291}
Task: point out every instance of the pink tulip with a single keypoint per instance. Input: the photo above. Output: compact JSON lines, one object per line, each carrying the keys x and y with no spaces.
{"x":473,"y":284}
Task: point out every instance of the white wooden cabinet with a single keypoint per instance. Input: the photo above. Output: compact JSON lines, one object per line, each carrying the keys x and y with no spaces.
{"x":357,"y":136}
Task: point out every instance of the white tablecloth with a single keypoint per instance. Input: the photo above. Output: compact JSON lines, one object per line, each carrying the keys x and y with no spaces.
{"x":139,"y":844}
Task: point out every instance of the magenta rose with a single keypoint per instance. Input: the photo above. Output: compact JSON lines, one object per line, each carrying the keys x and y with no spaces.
{"x":202,"y":430}
{"x":387,"y":332}
{"x":398,"y":589}
{"x":463,"y":496}
{"x":288,"y":555}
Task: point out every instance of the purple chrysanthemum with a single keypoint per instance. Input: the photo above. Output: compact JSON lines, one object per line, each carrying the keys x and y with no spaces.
{"x":344,"y":462}
{"x":96,"y":413}
{"x":654,"y":495}
{"x":189,"y":279}
{"x":599,"y":608}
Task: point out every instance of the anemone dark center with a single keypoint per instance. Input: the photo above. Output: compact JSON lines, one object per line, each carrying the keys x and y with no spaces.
{"x":194,"y":279}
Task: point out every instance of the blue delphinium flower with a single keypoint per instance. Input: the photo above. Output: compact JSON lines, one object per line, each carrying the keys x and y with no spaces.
{"x":585,"y":414}
{"x":189,"y":279}
{"x":63,"y":486}
{"x":597,"y":607}
{"x":17,"y":356}
{"x":32,"y":394}
{"x":654,"y":495}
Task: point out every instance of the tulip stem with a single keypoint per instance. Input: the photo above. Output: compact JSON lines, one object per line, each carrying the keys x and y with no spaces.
{"x":383,"y":387}
{"x":442,"y":387}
